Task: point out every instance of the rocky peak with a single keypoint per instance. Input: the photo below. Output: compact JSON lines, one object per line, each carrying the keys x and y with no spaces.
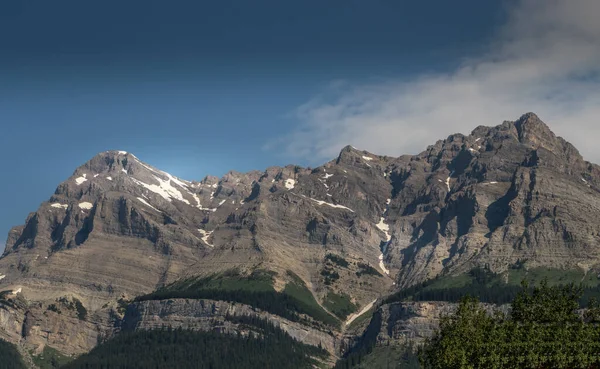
{"x":352,"y":156}
{"x":533,"y":131}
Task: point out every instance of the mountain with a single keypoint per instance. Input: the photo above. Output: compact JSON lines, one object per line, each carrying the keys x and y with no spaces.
{"x":121,"y":245}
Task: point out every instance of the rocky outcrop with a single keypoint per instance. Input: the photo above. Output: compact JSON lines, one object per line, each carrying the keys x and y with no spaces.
{"x":209,"y":315}
{"x":403,"y":322}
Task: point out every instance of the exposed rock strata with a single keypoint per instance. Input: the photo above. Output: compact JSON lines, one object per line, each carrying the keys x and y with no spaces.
{"x":119,"y":228}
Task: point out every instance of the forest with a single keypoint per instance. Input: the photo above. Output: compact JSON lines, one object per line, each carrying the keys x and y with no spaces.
{"x":545,"y":328}
{"x":262,"y":346}
{"x":255,"y":290}
{"x":494,"y":288}
{"x":10,"y":357}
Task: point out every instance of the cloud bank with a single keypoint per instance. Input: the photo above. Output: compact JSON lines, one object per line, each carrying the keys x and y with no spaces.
{"x":545,"y":59}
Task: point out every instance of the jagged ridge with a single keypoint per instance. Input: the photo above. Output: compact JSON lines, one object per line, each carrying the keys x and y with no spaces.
{"x":119,"y":228}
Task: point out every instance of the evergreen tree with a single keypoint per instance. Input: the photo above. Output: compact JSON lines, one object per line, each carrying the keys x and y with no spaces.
{"x":258,"y":344}
{"x":543,"y":330}
{"x":10,"y":357}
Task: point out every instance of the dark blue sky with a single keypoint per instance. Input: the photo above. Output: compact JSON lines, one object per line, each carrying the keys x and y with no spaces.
{"x":197,"y":87}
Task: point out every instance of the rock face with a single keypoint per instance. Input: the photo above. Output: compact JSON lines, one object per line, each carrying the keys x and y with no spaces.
{"x":507,"y":194}
{"x":119,"y":228}
{"x":404,"y":322}
{"x":208,"y":315}
{"x":401,"y":323}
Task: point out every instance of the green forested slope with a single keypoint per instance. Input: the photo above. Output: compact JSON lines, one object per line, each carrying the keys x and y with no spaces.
{"x":10,"y":357}
{"x":545,"y":329}
{"x":255,"y":290}
{"x":497,"y":288}
{"x":266,"y":347}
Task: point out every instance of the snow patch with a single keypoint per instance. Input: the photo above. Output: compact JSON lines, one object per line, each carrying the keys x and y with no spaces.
{"x":2,"y":277}
{"x":96,"y":175}
{"x":382,"y":265}
{"x":80,"y":180}
{"x":109,"y":178}
{"x":493,"y":182}
{"x":176,"y":180}
{"x":472,"y":149}
{"x":327,"y":175}
{"x":199,"y":205}
{"x":18,"y":290}
{"x":353,"y":317}
{"x":147,"y":204}
{"x":86,"y":205}
{"x":205,"y":236}
{"x":195,"y":196}
{"x":290,"y":183}
{"x":384,"y":228}
{"x":163,"y":189}
{"x":222,"y":202}
{"x":583,"y":179}
{"x":448,"y":180}
{"x":329,"y":204}
{"x":124,"y":171}
{"x":123,"y":152}
{"x":477,"y":140}
{"x":58,"y":205}
{"x":367,"y":158}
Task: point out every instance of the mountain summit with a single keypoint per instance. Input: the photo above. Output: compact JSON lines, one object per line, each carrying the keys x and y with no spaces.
{"x":348,"y":232}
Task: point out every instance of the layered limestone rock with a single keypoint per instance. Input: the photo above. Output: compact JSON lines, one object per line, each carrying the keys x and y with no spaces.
{"x":502,"y":195}
{"x":209,"y":315}
{"x":119,"y":228}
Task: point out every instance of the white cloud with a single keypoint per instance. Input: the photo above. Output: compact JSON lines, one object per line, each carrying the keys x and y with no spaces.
{"x":545,"y":59}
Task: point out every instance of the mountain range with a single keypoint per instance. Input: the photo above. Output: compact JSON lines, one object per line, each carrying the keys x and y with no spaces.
{"x":123,"y":246}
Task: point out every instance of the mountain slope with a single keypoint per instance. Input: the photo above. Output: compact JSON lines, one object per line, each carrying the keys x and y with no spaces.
{"x":336,"y":237}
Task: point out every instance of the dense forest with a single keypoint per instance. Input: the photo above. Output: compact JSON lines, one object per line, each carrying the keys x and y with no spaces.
{"x":545,"y":329}
{"x":366,"y":355}
{"x":10,"y":357}
{"x":264,"y":347}
{"x":255,"y":290}
{"x":493,"y":288}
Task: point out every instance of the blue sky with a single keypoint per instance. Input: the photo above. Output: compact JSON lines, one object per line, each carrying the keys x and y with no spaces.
{"x":198,"y":87}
